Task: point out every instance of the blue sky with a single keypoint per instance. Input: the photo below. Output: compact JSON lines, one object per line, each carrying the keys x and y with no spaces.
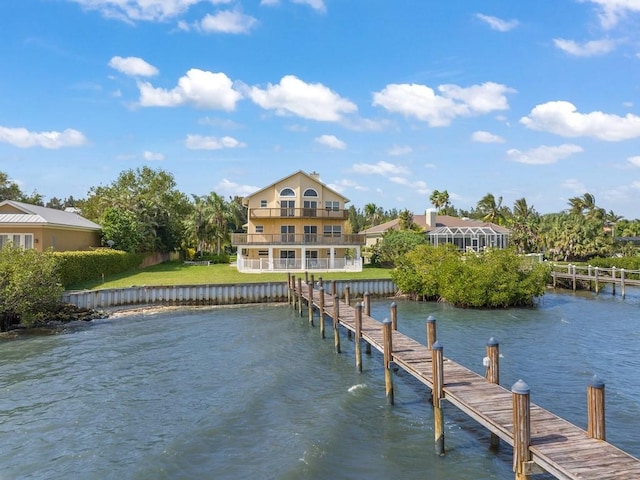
{"x":387,"y":100}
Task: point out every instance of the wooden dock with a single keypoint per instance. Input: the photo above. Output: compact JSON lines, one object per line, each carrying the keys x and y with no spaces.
{"x":554,"y":445}
{"x":595,"y":277}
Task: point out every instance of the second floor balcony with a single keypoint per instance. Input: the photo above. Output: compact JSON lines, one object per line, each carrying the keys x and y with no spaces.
{"x":290,"y":212}
{"x":296,"y":239}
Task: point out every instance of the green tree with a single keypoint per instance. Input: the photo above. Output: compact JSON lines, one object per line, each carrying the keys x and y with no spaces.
{"x":524,"y":226}
{"x":120,"y":229}
{"x":150,"y":195}
{"x":440,"y":200}
{"x":394,"y":244}
{"x":29,"y":286}
{"x":491,"y":210}
{"x":406,"y":221}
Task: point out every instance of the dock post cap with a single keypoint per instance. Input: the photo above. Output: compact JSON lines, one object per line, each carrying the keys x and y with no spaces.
{"x":386,"y":321}
{"x":431,"y":318}
{"x":492,"y":342}
{"x":358,"y":304}
{"x":596,"y":382}
{"x":394,"y":304}
{"x":520,"y":387}
{"x":436,"y":345}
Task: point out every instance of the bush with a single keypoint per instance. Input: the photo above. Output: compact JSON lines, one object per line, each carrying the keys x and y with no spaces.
{"x":77,"y":267}
{"x":29,"y":286}
{"x":496,"y":279}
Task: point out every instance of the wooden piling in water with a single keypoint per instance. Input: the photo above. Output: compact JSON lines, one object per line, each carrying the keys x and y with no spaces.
{"x":336,"y":319}
{"x":333,"y":288}
{"x":431,"y":331}
{"x":437,"y":365}
{"x":366,"y":303}
{"x":492,"y":374}
{"x":310,"y":285}
{"x":622,"y":289}
{"x":321,"y":307}
{"x":358,"y":336}
{"x":595,"y":409}
{"x":595,"y":273}
{"x":347,"y":294}
{"x":394,"y":315}
{"x":613,"y":278}
{"x":288,"y":288}
{"x":387,"y":358}
{"x":320,"y":282}
{"x":520,"y":394}
{"x":300,"y":296}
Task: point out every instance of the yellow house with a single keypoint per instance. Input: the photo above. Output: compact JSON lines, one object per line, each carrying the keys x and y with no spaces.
{"x":297,"y":223}
{"x":41,"y":228}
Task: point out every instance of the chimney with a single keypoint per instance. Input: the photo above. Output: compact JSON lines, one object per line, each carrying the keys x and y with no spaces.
{"x":315,"y":175}
{"x":430,"y":218}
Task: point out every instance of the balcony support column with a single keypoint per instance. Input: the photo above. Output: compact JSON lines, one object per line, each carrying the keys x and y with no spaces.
{"x":270,"y":258}
{"x":303,"y":257}
{"x":332,"y":257}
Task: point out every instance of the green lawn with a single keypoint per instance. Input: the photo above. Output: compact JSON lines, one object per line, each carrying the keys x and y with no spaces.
{"x":177,"y":273}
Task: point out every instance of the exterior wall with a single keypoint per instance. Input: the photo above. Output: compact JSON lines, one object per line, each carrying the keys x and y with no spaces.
{"x":57,"y":238}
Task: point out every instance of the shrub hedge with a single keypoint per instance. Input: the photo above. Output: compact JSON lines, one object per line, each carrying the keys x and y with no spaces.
{"x":77,"y":267}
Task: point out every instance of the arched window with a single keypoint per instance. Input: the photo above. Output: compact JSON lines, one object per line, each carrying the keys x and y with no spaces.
{"x":287,"y":192}
{"x":310,"y":192}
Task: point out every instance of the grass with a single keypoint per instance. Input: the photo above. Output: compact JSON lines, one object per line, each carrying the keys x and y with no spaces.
{"x":177,"y":273}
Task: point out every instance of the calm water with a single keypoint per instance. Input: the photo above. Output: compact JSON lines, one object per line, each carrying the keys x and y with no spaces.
{"x":253,"y":392}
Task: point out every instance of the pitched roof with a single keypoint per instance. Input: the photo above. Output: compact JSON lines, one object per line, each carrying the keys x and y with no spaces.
{"x":346,"y":200}
{"x":35,"y":214}
{"x":442,"y":221}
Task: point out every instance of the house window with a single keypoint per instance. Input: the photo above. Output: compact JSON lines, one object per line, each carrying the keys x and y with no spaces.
{"x":23,"y":240}
{"x":287,"y":192}
{"x":330,"y":205}
{"x":287,"y":233}
{"x":310,"y":208}
{"x":310,"y":192}
{"x":263,"y":204}
{"x":310,"y":234}
{"x":259,"y":228}
{"x":287,"y":208}
{"x":332,"y":230}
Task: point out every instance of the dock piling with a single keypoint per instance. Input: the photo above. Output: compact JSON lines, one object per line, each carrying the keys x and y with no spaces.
{"x":321,"y":308}
{"x":431,"y":331}
{"x":520,"y":394}
{"x":394,"y":315}
{"x":336,"y":320}
{"x":366,"y":303}
{"x":358,"y":335}
{"x":437,"y":365}
{"x":300,"y":296}
{"x":387,"y":338}
{"x":595,"y":409}
{"x":492,"y":374}
{"x":310,"y":285}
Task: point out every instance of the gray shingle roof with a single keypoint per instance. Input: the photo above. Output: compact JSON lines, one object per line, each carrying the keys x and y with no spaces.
{"x":34,"y":214}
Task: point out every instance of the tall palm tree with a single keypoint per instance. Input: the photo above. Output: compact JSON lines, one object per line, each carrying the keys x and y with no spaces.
{"x":440,"y":200}
{"x":491,"y":210}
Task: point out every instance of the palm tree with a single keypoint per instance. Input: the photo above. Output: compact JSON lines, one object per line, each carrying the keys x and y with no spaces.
{"x":611,"y":219}
{"x":440,"y":200}
{"x":491,"y":210}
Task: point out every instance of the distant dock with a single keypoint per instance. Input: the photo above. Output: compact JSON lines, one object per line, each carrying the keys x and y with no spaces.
{"x":596,"y":277}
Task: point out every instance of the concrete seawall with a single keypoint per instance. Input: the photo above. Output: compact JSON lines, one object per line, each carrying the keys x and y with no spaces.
{"x":225,"y":294}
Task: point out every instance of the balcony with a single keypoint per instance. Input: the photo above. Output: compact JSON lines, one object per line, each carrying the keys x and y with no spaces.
{"x":286,"y":212}
{"x":240,"y":239}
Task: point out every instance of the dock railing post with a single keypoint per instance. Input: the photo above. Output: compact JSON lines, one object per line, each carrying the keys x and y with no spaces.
{"x":595,"y":409}
{"x":596,"y":279}
{"x":492,"y":364}
{"x":320,"y":282}
{"x":336,"y":316}
{"x":387,"y":337}
{"x":333,"y":288}
{"x":321,"y":308}
{"x":366,"y":303}
{"x":347,"y":294}
{"x":613,"y":280}
{"x":622,"y":282}
{"x":310,"y":290}
{"x":300,"y":296}
{"x":394,"y":315}
{"x":437,"y":365}
{"x":520,"y":394}
{"x":306,"y":276}
{"x":573,"y":276}
{"x":431,"y":331}
{"x":289,"y":288}
{"x":358,"y":334}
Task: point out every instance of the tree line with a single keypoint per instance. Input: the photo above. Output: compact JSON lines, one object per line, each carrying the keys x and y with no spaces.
{"x":143,"y":211}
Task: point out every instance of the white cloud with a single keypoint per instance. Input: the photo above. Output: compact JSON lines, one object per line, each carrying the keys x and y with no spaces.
{"x":200,"y":88}
{"x":315,"y":4}
{"x":227,"y":22}
{"x":199,"y":142}
{"x":313,"y":101}
{"x":23,"y":138}
{"x":269,"y":3}
{"x":418,"y":186}
{"x":380,"y":168}
{"x":635,"y":161}
{"x":227,"y":187}
{"x":331,"y":141}
{"x":574,"y":185}
{"x":611,"y":11}
{"x":543,"y":155}
{"x":135,"y":10}
{"x":486,"y":137}
{"x":398,"y":150}
{"x":152,"y":157}
{"x":497,"y":23}
{"x":423,"y":103}
{"x":561,"y":118}
{"x":133,"y":66}
{"x":345,"y":184}
{"x":587,"y":49}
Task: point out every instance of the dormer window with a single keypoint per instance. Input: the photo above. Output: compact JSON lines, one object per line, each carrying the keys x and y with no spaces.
{"x":287,"y":192}
{"x":310,"y":192}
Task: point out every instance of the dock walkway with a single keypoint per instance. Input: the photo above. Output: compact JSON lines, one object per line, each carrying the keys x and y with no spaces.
{"x":557,"y":446}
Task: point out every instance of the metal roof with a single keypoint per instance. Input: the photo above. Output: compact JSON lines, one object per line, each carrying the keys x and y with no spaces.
{"x":35,"y":214}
